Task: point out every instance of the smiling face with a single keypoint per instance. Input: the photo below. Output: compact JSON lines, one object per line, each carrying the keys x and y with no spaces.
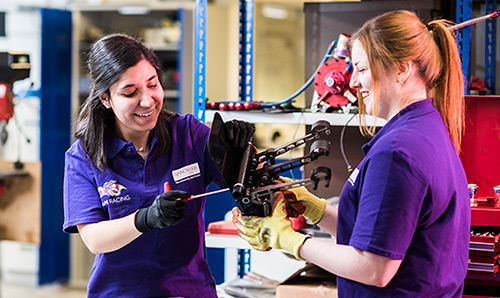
{"x":136,"y":99}
{"x":380,"y":100}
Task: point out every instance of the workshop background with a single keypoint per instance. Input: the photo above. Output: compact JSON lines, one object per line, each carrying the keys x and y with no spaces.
{"x":213,"y":53}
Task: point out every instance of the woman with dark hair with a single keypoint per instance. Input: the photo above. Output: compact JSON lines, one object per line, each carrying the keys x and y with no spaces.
{"x":403,"y":219}
{"x":148,"y":243}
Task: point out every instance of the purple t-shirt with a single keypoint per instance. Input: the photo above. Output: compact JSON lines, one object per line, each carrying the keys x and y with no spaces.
{"x":408,"y":200}
{"x":167,"y":262}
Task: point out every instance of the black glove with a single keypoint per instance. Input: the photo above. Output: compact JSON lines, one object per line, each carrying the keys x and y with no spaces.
{"x":226,"y":145}
{"x":166,"y":210}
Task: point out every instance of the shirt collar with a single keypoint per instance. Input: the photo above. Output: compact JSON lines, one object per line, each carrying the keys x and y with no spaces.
{"x":114,"y":145}
{"x":413,"y":110}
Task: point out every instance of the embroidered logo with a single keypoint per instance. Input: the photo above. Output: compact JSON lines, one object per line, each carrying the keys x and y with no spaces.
{"x":110,"y":189}
{"x":186,"y":173}
{"x":354,"y":176}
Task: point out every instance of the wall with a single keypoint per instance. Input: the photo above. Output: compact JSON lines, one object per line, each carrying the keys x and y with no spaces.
{"x":278,"y":60}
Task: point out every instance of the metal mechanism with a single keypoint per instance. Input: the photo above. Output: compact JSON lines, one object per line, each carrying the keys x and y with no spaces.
{"x":331,"y":82}
{"x":258,"y":172}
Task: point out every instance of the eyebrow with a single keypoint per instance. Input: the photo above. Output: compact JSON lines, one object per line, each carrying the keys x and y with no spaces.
{"x":132,"y":85}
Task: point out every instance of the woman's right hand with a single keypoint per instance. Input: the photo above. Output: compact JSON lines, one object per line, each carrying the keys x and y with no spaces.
{"x":167,"y":210}
{"x":314,"y":206}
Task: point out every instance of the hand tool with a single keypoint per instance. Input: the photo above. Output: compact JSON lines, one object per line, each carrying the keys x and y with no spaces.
{"x":167,"y":188}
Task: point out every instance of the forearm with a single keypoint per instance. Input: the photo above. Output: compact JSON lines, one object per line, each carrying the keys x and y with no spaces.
{"x":329,"y":220}
{"x":349,"y":262}
{"x":109,"y":235}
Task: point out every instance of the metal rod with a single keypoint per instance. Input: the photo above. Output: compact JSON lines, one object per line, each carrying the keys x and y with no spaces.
{"x":475,"y":20}
{"x":207,"y":193}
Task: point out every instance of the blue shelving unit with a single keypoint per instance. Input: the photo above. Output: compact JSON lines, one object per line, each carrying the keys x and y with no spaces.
{"x":200,"y":51}
{"x":490,"y":47}
{"x":246,"y":24}
{"x":246,"y":21}
{"x":55,"y":98}
{"x":464,"y":13}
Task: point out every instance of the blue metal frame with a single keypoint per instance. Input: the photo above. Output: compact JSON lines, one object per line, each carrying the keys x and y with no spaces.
{"x":246,"y":19}
{"x":490,"y":47}
{"x":243,"y":262}
{"x":180,"y":66}
{"x":464,"y":13}
{"x":55,"y":132}
{"x":200,"y":41}
{"x":245,"y":75}
{"x":246,"y":50}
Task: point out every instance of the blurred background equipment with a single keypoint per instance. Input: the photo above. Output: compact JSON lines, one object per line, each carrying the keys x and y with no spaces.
{"x":331,"y":81}
{"x":14,"y":66}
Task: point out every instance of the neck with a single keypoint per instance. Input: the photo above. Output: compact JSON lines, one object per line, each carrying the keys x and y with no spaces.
{"x":141,"y":146}
{"x":140,"y":140}
{"x":412,"y":91}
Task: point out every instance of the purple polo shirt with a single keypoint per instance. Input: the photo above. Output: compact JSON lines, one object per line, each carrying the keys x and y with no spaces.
{"x":408,"y":200}
{"x":166,"y":262}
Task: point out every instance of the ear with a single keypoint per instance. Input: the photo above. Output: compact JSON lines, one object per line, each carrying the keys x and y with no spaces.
{"x":104,"y":98}
{"x":404,"y":71}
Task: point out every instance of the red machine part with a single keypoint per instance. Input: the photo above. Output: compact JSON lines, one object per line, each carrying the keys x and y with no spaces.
{"x":332,"y":81}
{"x":6,"y":103}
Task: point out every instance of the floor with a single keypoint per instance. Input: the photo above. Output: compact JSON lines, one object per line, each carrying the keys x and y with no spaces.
{"x":53,"y":291}
{"x":50,"y":291}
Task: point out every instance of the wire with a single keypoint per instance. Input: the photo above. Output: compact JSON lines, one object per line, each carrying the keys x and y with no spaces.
{"x":349,"y":168}
{"x":328,"y":52}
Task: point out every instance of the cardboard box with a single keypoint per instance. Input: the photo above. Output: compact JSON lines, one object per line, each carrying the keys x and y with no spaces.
{"x":310,"y":281}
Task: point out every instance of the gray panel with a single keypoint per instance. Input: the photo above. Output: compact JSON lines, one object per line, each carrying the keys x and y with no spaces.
{"x":324,"y":22}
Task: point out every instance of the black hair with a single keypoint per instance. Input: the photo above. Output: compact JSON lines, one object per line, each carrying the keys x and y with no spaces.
{"x":108,"y":58}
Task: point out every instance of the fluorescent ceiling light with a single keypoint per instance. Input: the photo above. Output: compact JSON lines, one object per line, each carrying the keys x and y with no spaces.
{"x":134,"y":10}
{"x":274,"y":12}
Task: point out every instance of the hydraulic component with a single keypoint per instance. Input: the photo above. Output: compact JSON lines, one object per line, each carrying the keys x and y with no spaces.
{"x":258,"y":173}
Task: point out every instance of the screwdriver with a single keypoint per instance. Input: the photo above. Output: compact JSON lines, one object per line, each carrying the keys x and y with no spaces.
{"x":167,"y":188}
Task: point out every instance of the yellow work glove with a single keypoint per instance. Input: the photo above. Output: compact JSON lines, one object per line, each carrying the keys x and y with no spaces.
{"x":274,"y":231}
{"x":314,"y":206}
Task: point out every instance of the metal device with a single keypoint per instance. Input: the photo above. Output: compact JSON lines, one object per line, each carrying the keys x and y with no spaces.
{"x":331,"y":81}
{"x":14,"y":66}
{"x":258,"y":172}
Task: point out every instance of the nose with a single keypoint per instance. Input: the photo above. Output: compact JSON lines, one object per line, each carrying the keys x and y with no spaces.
{"x":148,"y":99}
{"x":354,"y":82}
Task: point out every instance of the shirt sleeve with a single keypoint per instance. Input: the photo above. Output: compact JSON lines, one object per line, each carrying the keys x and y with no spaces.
{"x":391,"y":199}
{"x":80,"y":196}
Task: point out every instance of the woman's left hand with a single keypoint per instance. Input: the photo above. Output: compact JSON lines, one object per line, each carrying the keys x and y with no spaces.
{"x":274,"y":231}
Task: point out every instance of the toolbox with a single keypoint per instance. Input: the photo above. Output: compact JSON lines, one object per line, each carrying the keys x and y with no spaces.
{"x":484,"y":250}
{"x":480,"y":157}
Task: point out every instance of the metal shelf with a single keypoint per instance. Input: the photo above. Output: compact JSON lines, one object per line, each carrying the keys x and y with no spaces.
{"x":150,"y":6}
{"x":308,"y":118}
{"x":225,"y":241}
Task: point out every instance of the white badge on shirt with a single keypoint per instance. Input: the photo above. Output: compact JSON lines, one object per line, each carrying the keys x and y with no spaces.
{"x":354,"y":176}
{"x":186,"y":173}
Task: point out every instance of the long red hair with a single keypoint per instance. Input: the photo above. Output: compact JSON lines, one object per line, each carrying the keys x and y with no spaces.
{"x":400,"y":36}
